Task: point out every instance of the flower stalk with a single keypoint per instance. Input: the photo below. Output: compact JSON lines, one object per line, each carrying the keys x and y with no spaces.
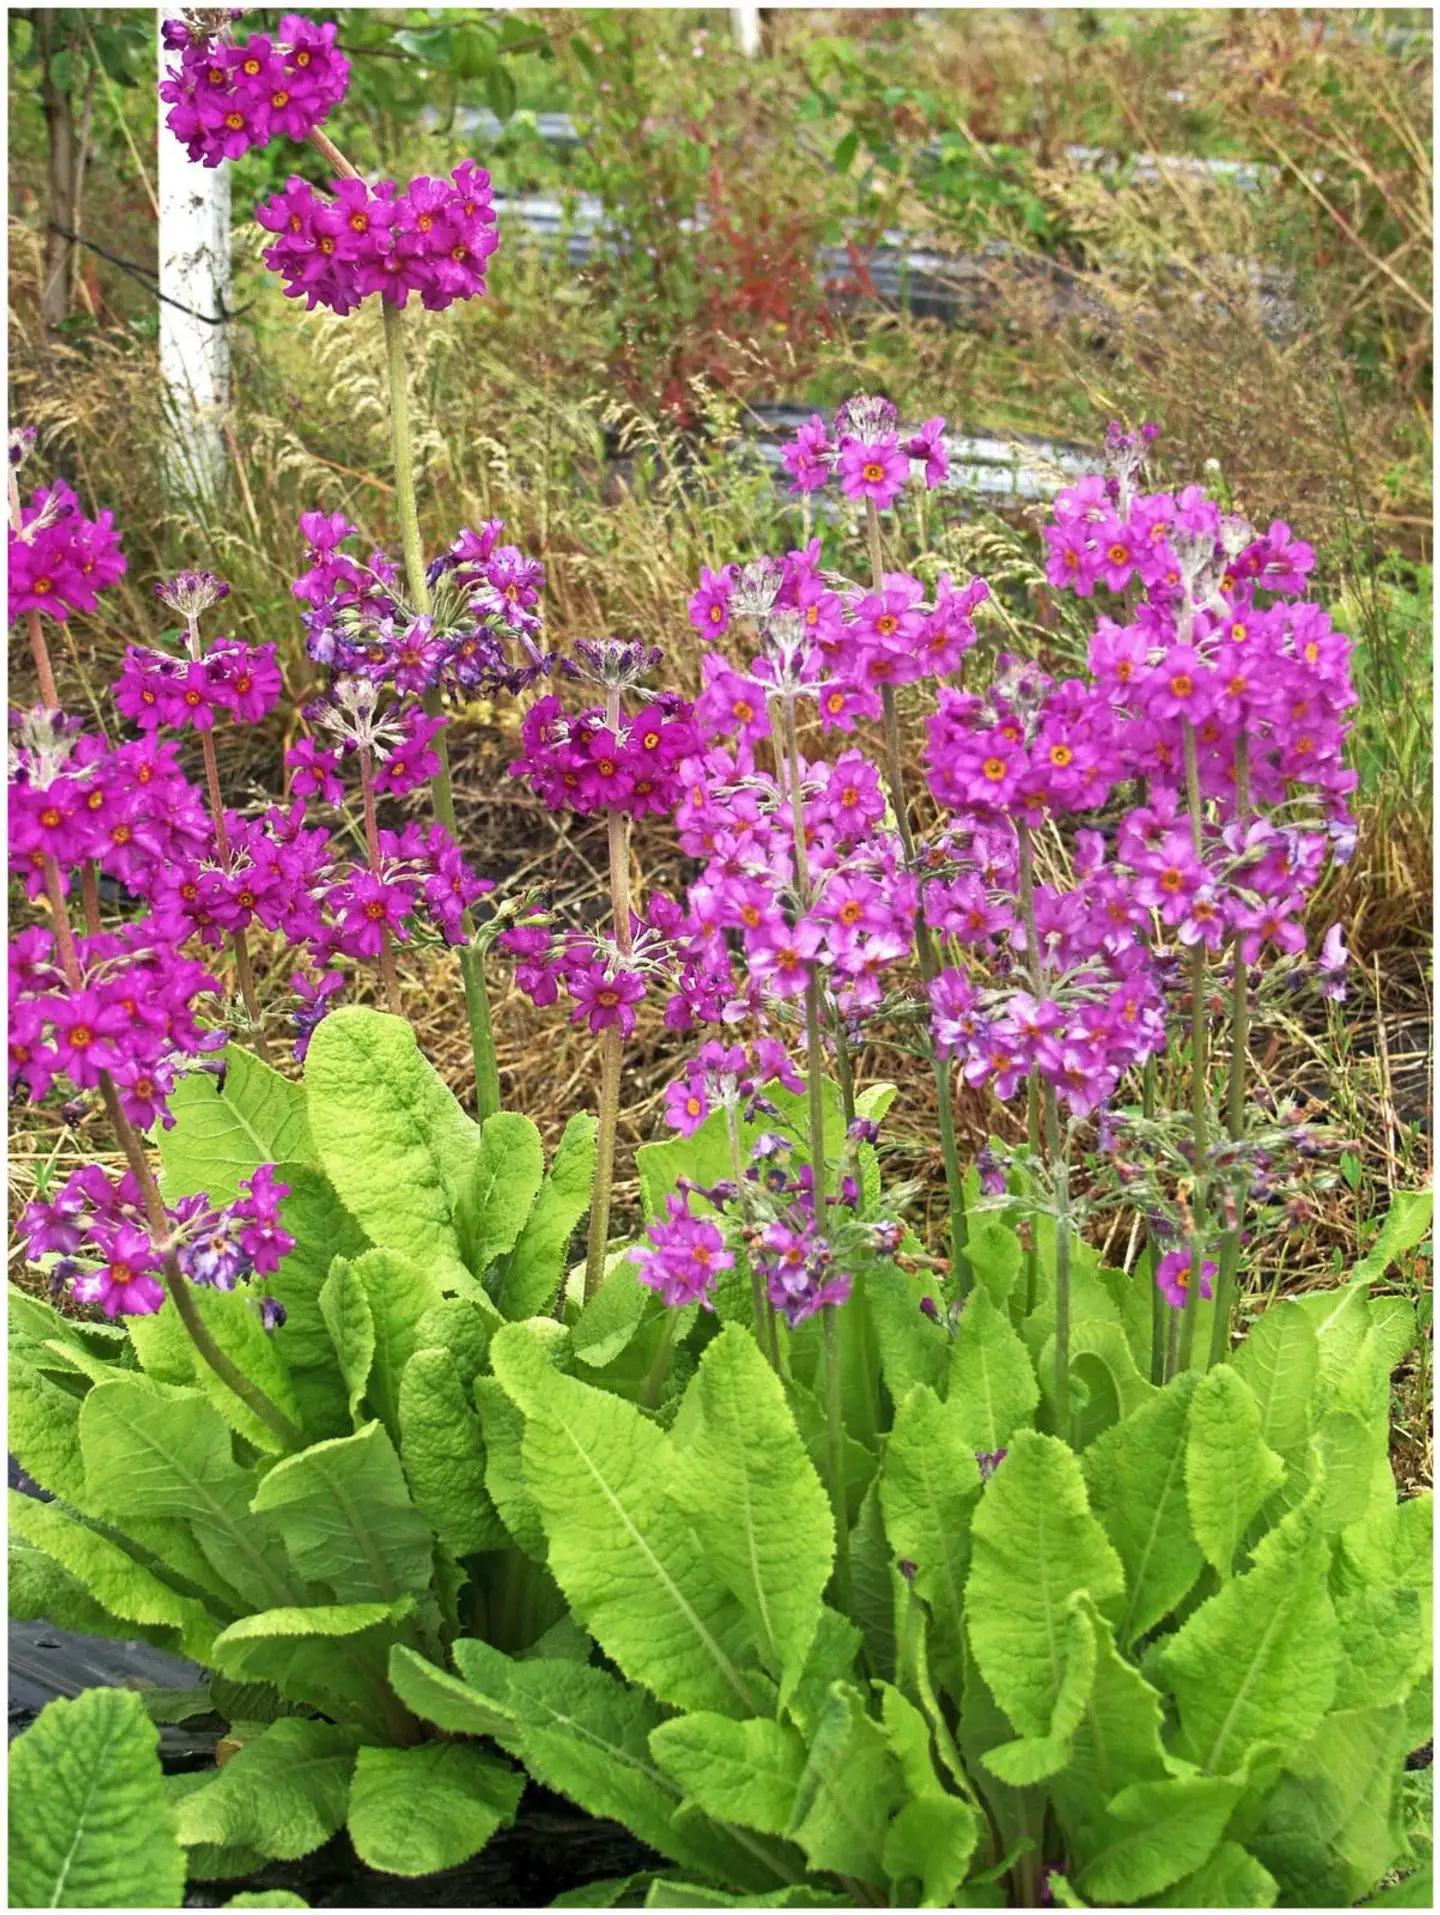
{"x":612,"y":1044}
{"x":372,"y":852}
{"x":1234,"y":1093}
{"x":1054,"y":1146}
{"x":1199,"y":1036}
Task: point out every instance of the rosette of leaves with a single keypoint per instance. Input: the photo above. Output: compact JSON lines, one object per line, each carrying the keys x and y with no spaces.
{"x":178,"y":1518}
{"x":1178,"y":1660}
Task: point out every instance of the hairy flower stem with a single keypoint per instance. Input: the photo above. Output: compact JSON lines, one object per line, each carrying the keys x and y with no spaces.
{"x":1198,"y":1067}
{"x":612,"y":1045}
{"x":90,"y":898}
{"x":442,"y":792}
{"x":924,"y":947}
{"x":835,"y":1458}
{"x":1234,"y":1093}
{"x":238,"y":940}
{"x":234,"y":1378}
{"x":1054,"y":1146}
{"x":372,"y":852}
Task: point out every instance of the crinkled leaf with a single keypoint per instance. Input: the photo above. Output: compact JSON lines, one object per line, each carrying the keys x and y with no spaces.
{"x":444,"y":1455}
{"x":1032,"y":1758}
{"x":225,"y":1128}
{"x":849,"y":1787}
{"x":609,"y":1321}
{"x":1280,"y":1360}
{"x":44,"y":1432}
{"x":931,"y":1840}
{"x":399,"y":1293}
{"x":992,"y":1391}
{"x":1136,"y":1476}
{"x":1383,"y":1644}
{"x":346,"y":1310}
{"x":1231,"y":1878}
{"x":626,"y":1557}
{"x":1115,"y":1743}
{"x":90,"y":1824}
{"x":392,"y":1139}
{"x":1229,"y":1470}
{"x":437,"y":1696}
{"x":503,"y":1181}
{"x":928,"y":1490}
{"x":323,"y":1229}
{"x":745,"y":1772}
{"x":537,"y":1263}
{"x":1332,"y":1827}
{"x":913,"y":1349}
{"x":1407,"y":1223}
{"x":758,"y":1508}
{"x":1158,"y":1831}
{"x":503,"y":1431}
{"x":1034,"y":1544}
{"x":995,"y":1257}
{"x":284,"y":1793}
{"x":416,"y":1811}
{"x":1258,"y":1661}
{"x":347,"y":1520}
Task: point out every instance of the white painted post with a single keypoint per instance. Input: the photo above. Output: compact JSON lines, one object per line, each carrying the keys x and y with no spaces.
{"x":195,"y":273}
{"x":746,"y":23}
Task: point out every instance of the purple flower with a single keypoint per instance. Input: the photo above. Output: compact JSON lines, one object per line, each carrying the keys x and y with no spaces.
{"x":873,"y":469}
{"x":1173,"y":1274}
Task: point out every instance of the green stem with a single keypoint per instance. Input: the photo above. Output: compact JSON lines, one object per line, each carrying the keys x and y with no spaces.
{"x":764,"y":1328}
{"x":654,"y":1382}
{"x":835,"y":1459}
{"x":442,"y":793}
{"x":1054,"y":1145}
{"x":1199,"y":1035}
{"x":611,"y":1046}
{"x":1160,"y":1312}
{"x":1234,"y":1095}
{"x":815,"y":1088}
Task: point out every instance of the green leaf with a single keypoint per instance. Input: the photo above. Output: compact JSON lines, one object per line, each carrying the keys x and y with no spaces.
{"x":704,"y":1157}
{"x":843,"y":158}
{"x":346,"y":1310}
{"x":759,"y":1510}
{"x":461,"y":1326}
{"x":266,"y":1898}
{"x":580,"y":1731}
{"x":233,"y":1321}
{"x":992,"y":1390}
{"x":90,"y":1824}
{"x":444,"y":1455}
{"x":1034,"y":1544}
{"x":1332,"y":1827}
{"x":1257,"y":1662}
{"x":507,"y":1172}
{"x":226,"y":1128}
{"x":1136,"y":1474}
{"x":150,"y":1456}
{"x":1032,"y":1759}
{"x":609,"y":1321}
{"x":284,"y":1793}
{"x":44,"y":1432}
{"x":1160,"y":1831}
{"x":537,"y":1263}
{"x":1352,"y":1456}
{"x":1103,"y":1364}
{"x":849,"y":1787}
{"x":832,"y":1659}
{"x":442,"y":1698}
{"x":399,"y":1294}
{"x":499,"y":90}
{"x":1229,"y":1470}
{"x":1407,"y":1223}
{"x":1115,"y":1744}
{"x":113,"y":1579}
{"x":1232,"y":1878}
{"x":745,"y":1772}
{"x":912,"y":1348}
{"x":41,"y":1591}
{"x":629,"y":1563}
{"x":347,"y":1519}
{"x":395,"y":1144}
{"x":503,"y":1430}
{"x":929,"y":1485}
{"x":1384,"y":1647}
{"x":1280,"y":1360}
{"x":932,"y":1840}
{"x":320,"y":1619}
{"x":323,"y":1229}
{"x":416,"y":1811}
{"x":177,"y":1705}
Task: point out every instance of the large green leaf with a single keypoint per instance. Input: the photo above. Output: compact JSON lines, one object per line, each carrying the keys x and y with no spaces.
{"x":323,"y":1229}
{"x":503,"y":1431}
{"x":1407,"y":1223}
{"x":704,"y":1157}
{"x":1229,"y":1470}
{"x":328,"y":1620}
{"x":41,"y":1591}
{"x":1032,"y":1759}
{"x":1257,"y":1662}
{"x":345,"y":1307}
{"x":1333,"y":1826}
{"x":586,"y":1735}
{"x":1280,"y":1360}
{"x":537,"y":1263}
{"x":112,"y":1578}
{"x":393,"y":1141}
{"x":1384,"y":1645}
{"x":1158,"y":1832}
{"x":1034,"y":1544}
{"x":399,"y":1294}
{"x":444,"y":1455}
{"x":284,"y":1793}
{"x":225,"y":1128}
{"x":44,"y":1432}
{"x":435,"y":1695}
{"x":745,"y":1772}
{"x":601,"y":1474}
{"x":850,"y":1785}
{"x":90,"y":1825}
{"x":913,"y":1349}
{"x":1232,"y":1878}
{"x":758,"y":1508}
{"x":1114,"y":1745}
{"x":416,"y":1811}
{"x":1136,"y":1474}
{"x":347,"y":1519}
{"x":928,"y":1489}
{"x":932,"y":1840}
{"x":992,"y":1390}
{"x":609,"y":1321}
{"x":507,"y":1172}
{"x":172,"y":1456}
{"x":234,"y":1324}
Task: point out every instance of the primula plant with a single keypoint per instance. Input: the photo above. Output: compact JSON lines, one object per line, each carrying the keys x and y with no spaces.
{"x":841,"y":1566}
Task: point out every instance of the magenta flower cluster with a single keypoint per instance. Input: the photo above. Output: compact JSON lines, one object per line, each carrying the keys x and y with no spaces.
{"x":432,"y":238}
{"x":226,"y":98}
{"x":60,"y":561}
{"x":154,"y":689}
{"x":605,"y":984}
{"x":96,"y":1230}
{"x":583,"y":762}
{"x":867,"y":455}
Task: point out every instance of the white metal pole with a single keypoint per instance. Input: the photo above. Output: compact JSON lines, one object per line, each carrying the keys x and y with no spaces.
{"x":746,"y":22}
{"x":194,"y":274}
